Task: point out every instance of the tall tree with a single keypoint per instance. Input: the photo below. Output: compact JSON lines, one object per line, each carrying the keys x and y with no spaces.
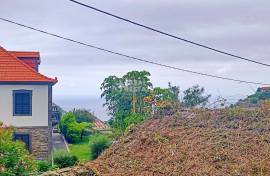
{"x":125,"y":96}
{"x":175,"y":90}
{"x":115,"y":95}
{"x":137,"y":83}
{"x":194,"y":96}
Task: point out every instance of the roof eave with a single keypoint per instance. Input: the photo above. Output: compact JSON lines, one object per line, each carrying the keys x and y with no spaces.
{"x":28,"y":82}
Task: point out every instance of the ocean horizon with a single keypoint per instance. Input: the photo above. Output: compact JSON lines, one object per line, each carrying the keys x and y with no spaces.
{"x":93,"y":104}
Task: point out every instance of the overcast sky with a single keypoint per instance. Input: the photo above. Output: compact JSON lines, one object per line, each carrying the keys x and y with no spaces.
{"x":241,"y":27}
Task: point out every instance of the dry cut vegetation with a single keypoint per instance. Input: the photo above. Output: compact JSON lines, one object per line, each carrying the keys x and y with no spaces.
{"x":200,"y":142}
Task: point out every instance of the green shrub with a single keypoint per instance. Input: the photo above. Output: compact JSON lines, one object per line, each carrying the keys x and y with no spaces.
{"x":118,"y":121}
{"x":123,"y":122}
{"x":64,"y":159}
{"x":14,"y":158}
{"x":76,"y":131}
{"x":66,"y":120}
{"x":98,"y":143}
{"x":71,"y":129}
{"x":43,"y":166}
{"x":73,"y":133}
{"x":133,"y":119}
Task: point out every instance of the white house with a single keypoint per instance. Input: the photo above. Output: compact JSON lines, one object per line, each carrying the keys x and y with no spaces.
{"x":26,"y":100}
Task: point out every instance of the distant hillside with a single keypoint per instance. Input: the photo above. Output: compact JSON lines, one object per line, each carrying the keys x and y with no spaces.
{"x":224,"y":142}
{"x":84,"y":115}
{"x":59,"y":108}
{"x":257,"y":98}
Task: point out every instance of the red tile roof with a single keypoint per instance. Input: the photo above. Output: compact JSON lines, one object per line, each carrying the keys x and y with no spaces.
{"x":14,"y":70}
{"x":100,"y":125}
{"x":265,"y":88}
{"x":25,"y":54}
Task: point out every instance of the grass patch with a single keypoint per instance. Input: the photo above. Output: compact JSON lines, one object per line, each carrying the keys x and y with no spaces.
{"x":81,"y":150}
{"x":90,"y":147}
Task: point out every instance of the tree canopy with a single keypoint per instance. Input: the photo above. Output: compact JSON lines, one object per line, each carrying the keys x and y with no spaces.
{"x":83,"y":115}
{"x":194,"y":96}
{"x":71,"y":129}
{"x":132,"y":98}
{"x":126,"y":94}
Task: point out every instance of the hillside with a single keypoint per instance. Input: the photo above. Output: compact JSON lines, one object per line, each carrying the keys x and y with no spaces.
{"x":255,"y":100}
{"x":225,"y":142}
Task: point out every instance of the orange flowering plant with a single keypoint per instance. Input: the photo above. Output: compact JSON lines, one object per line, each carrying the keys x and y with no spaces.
{"x":14,"y":158}
{"x":160,"y":98}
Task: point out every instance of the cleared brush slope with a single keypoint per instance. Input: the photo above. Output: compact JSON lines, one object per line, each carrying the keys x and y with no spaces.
{"x":227,"y":142}
{"x":219,"y":143}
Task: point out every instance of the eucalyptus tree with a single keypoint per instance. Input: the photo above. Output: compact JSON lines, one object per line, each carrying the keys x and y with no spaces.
{"x":126,"y":94}
{"x":138,"y":86}
{"x":115,"y":95}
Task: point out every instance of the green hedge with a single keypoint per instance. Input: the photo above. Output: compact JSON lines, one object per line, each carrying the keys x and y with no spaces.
{"x":64,"y":159}
{"x":98,"y":143}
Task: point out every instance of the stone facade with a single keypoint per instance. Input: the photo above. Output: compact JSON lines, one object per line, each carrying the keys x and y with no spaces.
{"x":40,"y":141}
{"x":72,"y":171}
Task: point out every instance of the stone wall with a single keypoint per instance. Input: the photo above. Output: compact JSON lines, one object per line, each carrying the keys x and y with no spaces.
{"x":40,"y":141}
{"x":72,"y":171}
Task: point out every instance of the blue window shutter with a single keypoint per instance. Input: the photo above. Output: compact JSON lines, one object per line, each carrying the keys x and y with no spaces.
{"x":22,"y":102}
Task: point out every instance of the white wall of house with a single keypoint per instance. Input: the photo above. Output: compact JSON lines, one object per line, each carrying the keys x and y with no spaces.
{"x":39,"y":106}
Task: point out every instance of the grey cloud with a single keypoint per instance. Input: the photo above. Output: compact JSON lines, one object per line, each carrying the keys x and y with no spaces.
{"x":241,"y":27}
